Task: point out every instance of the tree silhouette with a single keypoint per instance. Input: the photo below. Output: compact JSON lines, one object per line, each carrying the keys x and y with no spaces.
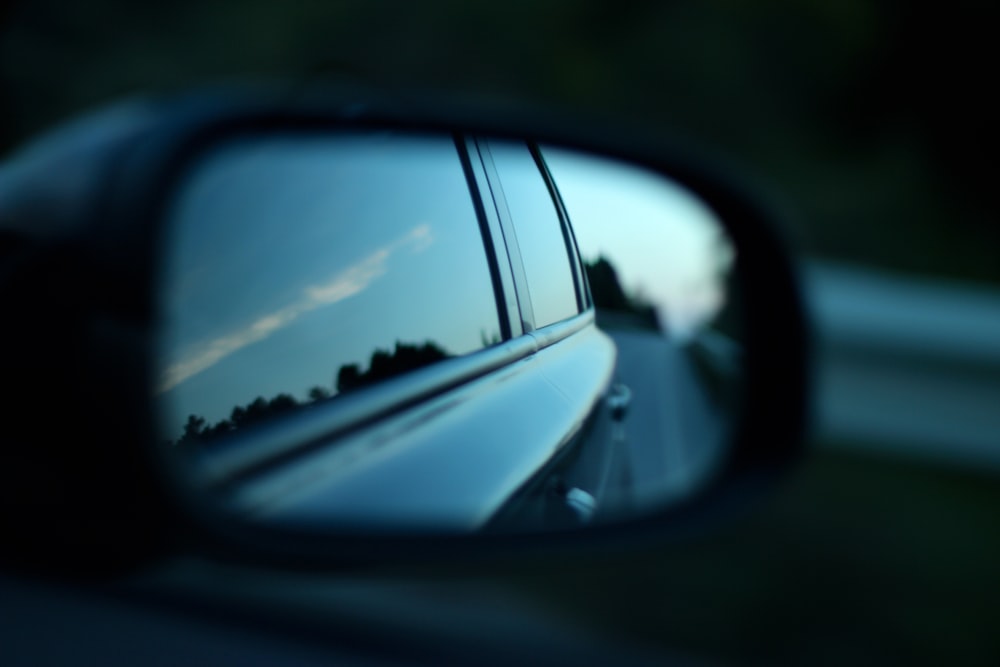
{"x":282,"y":403}
{"x":348,"y":377}
{"x":194,"y":426}
{"x":404,"y":358}
{"x":384,"y":364}
{"x":318,"y":393}
{"x":605,"y":287}
{"x":194,"y":429}
{"x":220,"y":428}
{"x":608,"y":294}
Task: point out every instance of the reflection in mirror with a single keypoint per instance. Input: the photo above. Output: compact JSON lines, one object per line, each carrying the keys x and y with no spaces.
{"x":347,"y":337}
{"x":301,"y":268}
{"x":658,"y":262}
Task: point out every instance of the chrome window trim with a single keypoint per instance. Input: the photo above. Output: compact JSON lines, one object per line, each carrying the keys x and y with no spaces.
{"x":480,"y":187}
{"x":453,"y":429}
{"x":557,"y":331}
{"x":509,"y":236}
{"x":584,"y":299}
{"x":242,"y":455}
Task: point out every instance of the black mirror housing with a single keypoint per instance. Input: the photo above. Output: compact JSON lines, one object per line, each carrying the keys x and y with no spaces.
{"x":83,"y":224}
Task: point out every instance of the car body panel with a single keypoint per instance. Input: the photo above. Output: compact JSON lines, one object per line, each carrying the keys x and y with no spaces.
{"x":448,"y":463}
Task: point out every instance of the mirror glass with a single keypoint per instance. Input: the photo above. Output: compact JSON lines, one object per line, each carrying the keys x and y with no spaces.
{"x":386,"y":330}
{"x":658,"y":263}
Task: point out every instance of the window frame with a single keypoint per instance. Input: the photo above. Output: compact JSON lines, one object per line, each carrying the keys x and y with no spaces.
{"x":584,"y":299}
{"x":581,"y":289}
{"x":492,"y":230}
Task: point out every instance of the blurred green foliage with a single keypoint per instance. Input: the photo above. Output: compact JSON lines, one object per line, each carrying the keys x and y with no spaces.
{"x":872,"y":123}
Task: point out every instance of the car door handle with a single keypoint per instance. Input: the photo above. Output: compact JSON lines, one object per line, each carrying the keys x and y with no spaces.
{"x":619,"y":398}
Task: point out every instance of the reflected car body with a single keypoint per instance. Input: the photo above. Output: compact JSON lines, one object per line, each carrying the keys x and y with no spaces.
{"x":514,"y":433}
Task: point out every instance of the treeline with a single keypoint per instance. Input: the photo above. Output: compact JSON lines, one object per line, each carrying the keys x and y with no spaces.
{"x":608,"y":295}
{"x":384,"y":364}
{"x":606,"y":290}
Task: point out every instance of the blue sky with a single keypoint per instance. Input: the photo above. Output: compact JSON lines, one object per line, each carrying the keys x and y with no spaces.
{"x":666,"y":244}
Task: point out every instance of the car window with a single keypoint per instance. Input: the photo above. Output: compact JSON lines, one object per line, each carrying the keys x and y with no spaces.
{"x":302,"y":267}
{"x":540,"y":238}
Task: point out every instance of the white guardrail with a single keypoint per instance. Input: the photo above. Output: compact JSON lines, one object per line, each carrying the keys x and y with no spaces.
{"x":910,"y":366}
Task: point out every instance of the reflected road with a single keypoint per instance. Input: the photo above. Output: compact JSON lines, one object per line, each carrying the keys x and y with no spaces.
{"x":674,"y":431}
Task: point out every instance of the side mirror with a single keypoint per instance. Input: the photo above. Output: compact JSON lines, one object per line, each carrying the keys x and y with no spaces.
{"x":320,"y":332}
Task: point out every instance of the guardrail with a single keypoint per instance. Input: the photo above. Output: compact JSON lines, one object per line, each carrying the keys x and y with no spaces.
{"x":907,"y":365}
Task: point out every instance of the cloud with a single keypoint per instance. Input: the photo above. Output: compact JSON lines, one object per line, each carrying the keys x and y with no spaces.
{"x":344,"y":284}
{"x":349,"y":282}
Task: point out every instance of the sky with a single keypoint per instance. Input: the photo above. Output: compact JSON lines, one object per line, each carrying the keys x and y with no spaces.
{"x":666,"y":244}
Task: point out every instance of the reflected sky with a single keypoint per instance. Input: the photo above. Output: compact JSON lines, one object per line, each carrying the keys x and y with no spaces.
{"x":666,"y":245}
{"x":203,"y":354}
{"x":292,"y":256}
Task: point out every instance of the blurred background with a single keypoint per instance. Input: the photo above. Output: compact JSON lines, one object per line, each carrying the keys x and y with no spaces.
{"x":873,"y":120}
{"x":871,"y":126}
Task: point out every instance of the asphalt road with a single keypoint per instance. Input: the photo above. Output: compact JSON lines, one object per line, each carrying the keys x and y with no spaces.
{"x":908,"y":367}
{"x":674,"y":432}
